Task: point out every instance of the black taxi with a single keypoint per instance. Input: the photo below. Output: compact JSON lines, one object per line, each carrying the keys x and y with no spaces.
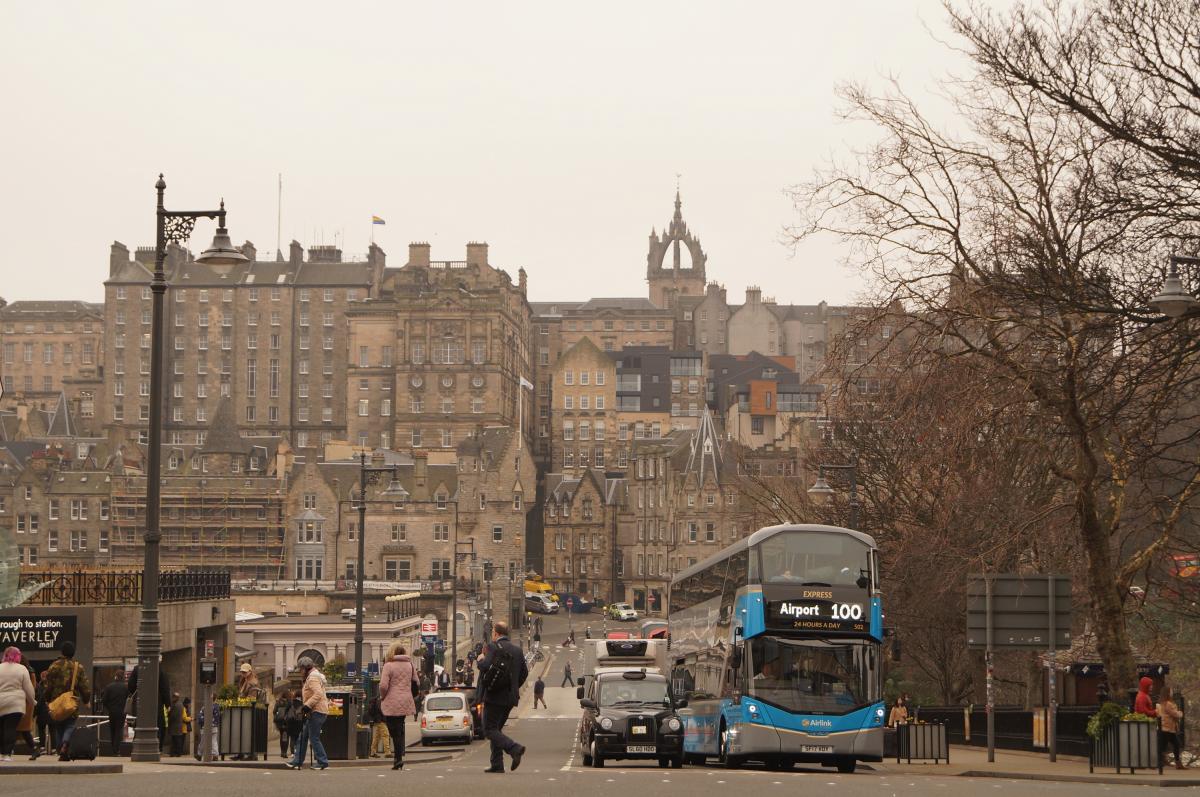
{"x":630,"y":714}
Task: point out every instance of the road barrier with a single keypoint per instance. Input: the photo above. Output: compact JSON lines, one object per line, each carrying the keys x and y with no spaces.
{"x":922,"y":741}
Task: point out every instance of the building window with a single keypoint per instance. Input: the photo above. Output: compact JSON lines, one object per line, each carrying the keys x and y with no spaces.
{"x":441,"y":532}
{"x":52,"y":540}
{"x":364,"y":408}
{"x":399,"y":532}
{"x":497,"y":533}
{"x":53,"y":509}
{"x":385,"y":407}
{"x":517,"y":502}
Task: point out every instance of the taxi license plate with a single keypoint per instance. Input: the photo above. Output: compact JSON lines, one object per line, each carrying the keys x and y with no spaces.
{"x":816,"y":748}
{"x":640,"y":748}
{"x":638,"y":729}
{"x":444,"y":719}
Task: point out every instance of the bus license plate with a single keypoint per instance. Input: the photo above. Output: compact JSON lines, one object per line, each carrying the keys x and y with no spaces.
{"x":640,"y":748}
{"x":816,"y":748}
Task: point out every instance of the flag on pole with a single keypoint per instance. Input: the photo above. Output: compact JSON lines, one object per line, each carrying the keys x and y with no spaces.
{"x":377,"y":220}
{"x":525,"y":383}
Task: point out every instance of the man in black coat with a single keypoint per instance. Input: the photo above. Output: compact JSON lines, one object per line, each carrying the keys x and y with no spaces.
{"x":113,"y":699}
{"x":502,"y":671}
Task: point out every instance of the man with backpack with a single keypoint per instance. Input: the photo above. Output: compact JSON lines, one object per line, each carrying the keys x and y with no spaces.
{"x":502,"y":671}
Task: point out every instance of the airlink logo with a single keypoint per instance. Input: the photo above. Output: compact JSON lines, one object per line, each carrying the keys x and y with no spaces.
{"x":816,"y":724}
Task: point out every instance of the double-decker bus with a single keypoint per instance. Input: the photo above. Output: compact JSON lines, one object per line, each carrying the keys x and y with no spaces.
{"x":775,"y":644}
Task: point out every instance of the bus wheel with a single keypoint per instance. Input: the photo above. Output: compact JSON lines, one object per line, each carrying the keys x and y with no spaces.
{"x":846,"y":765}
{"x":726,"y":760}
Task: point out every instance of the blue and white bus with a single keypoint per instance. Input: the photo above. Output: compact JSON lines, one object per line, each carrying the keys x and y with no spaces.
{"x":775,"y":644}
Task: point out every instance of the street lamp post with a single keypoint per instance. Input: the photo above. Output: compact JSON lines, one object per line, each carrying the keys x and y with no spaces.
{"x":822,"y":492}
{"x":172,"y":227}
{"x":395,"y":490}
{"x":454,"y":588}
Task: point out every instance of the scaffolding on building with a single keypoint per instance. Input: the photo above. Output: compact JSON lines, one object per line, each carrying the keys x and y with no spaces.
{"x":229,"y":522}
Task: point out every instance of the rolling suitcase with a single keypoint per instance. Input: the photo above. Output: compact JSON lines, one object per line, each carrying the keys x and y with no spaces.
{"x":84,"y":743}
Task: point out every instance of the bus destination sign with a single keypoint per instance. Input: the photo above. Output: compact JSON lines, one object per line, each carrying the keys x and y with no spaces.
{"x":818,"y":610}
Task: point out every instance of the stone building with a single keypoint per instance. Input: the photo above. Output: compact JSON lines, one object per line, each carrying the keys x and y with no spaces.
{"x":269,"y":335}
{"x":583,"y":414}
{"x":53,"y":348}
{"x":684,"y":505}
{"x":222,"y":504}
{"x":581,"y":516}
{"x":761,"y":402}
{"x":476,"y":498}
{"x":668,"y":283}
{"x":442,"y":350}
{"x":659,"y":390}
{"x":57,"y":508}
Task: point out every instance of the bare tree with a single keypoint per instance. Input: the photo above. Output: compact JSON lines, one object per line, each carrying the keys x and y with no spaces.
{"x":1025,"y":264}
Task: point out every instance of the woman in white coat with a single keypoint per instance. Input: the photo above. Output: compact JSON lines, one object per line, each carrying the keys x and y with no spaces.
{"x":16,"y":690}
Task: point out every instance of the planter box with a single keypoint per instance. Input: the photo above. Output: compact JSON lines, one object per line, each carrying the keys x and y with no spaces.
{"x":1127,"y":745}
{"x":922,"y":742}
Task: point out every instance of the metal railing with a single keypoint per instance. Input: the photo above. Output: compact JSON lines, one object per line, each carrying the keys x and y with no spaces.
{"x":125,"y":588}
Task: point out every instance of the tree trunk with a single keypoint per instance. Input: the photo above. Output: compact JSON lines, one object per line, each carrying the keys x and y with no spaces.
{"x":1108,"y":618}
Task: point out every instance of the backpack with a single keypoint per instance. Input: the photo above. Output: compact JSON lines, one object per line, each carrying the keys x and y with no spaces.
{"x":498,"y":678}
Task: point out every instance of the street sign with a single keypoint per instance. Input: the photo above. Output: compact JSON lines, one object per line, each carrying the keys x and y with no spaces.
{"x":1020,"y":611}
{"x":351,"y":669}
{"x":429,"y":625}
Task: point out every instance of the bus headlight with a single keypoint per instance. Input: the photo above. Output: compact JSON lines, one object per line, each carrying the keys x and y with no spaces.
{"x":673,"y":725}
{"x":879,"y":713}
{"x":606,"y":723}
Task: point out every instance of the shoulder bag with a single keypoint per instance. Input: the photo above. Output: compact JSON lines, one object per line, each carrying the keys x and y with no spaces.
{"x":66,"y":705}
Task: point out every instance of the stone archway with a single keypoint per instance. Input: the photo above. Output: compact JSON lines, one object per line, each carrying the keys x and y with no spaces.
{"x":318,"y":658}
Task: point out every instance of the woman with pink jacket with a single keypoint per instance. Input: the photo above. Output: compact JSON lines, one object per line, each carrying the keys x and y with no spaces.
{"x":397,"y":684}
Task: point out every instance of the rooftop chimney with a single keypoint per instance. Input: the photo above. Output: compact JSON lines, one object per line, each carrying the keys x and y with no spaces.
{"x":477,"y":254}
{"x":249,"y":251}
{"x":418,"y":254}
{"x":118,"y":256}
{"x":295,"y":254}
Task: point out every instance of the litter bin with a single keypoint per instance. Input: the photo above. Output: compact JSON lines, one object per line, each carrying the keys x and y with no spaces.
{"x":338,"y":735}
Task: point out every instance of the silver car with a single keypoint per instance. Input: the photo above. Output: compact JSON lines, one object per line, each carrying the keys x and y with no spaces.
{"x":445,"y":715}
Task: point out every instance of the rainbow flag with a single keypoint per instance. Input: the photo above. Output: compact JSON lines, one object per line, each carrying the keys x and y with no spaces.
{"x":377,"y":220}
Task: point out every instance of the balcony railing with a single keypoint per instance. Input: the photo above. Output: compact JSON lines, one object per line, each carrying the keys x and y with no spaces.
{"x":125,"y":588}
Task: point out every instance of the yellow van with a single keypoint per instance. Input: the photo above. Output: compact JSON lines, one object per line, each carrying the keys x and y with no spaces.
{"x":536,"y":586}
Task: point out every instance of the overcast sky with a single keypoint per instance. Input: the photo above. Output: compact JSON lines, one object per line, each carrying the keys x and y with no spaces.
{"x":552,"y":131}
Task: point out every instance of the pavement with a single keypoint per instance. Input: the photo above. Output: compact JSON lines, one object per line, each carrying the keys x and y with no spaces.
{"x":552,"y":765}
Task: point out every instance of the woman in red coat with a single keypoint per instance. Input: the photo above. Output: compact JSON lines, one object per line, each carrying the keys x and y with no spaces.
{"x":397,"y":682}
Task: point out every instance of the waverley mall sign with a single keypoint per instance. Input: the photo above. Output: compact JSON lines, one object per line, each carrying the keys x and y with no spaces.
{"x":36,"y":633}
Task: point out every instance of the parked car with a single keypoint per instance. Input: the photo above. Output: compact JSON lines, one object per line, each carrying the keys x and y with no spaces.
{"x":630,"y":715}
{"x":622,"y":611}
{"x":446,"y":715}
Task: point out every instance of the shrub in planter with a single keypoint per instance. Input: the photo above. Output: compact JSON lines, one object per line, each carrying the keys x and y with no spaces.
{"x":1107,"y":715}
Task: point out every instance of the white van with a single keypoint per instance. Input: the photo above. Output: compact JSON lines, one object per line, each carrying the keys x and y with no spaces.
{"x":541,"y":603}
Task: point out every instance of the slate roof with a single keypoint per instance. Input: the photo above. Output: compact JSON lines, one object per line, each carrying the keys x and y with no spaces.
{"x":38,"y":309}
{"x":76,"y":482}
{"x":619,"y":303}
{"x":223,"y":436}
{"x":487,"y":445}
